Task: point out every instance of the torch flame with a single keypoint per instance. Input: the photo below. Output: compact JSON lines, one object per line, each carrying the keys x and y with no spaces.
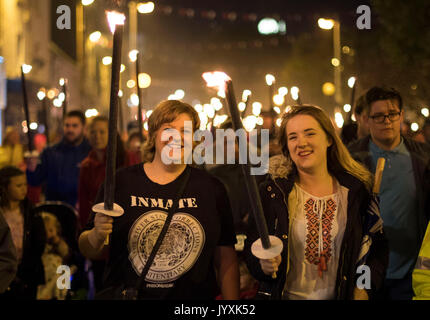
{"x":216,"y":79}
{"x":114,"y":18}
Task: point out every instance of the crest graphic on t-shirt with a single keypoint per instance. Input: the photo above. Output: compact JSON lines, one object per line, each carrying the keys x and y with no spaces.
{"x":179,"y":251}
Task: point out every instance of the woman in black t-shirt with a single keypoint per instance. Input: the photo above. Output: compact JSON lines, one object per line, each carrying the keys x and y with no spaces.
{"x":200,"y":236}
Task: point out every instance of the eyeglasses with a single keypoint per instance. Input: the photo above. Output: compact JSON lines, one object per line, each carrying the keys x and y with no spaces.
{"x":380,"y":118}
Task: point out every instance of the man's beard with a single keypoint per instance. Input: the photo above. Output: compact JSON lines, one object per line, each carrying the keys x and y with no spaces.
{"x":73,"y":141}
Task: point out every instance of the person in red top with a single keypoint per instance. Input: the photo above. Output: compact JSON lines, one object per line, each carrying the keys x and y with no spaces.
{"x":134,"y":148}
{"x":93,"y":167}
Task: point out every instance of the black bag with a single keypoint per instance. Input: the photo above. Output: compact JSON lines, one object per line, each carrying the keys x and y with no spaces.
{"x":122,"y":292}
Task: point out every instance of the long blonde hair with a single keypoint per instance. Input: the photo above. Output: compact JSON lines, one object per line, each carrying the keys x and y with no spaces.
{"x":338,"y":156}
{"x":165,"y":112}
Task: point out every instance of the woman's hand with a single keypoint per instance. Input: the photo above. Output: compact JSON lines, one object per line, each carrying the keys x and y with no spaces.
{"x":270,"y":266}
{"x":103,"y":225}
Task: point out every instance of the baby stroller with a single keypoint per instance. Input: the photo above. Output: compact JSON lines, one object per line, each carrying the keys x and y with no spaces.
{"x":68,"y":219}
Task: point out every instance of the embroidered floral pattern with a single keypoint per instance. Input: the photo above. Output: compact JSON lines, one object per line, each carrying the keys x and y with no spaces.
{"x":313,"y":231}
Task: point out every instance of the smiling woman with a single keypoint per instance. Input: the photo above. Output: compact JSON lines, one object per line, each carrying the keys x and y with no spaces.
{"x":315,"y":199}
{"x":197,"y":250}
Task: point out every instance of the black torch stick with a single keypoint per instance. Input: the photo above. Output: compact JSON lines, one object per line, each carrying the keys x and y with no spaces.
{"x":139,"y":94}
{"x":121,"y":115}
{"x":251,"y":184}
{"x":27,"y":115}
{"x":113,"y":119}
{"x":65,"y":98}
{"x":45,"y":119}
{"x":246,"y":105}
{"x":352,"y":101}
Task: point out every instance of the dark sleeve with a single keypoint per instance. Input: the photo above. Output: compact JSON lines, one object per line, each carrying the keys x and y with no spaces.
{"x":253,"y":262}
{"x":99,"y":198}
{"x":83,"y":198}
{"x":8,"y":261}
{"x":38,"y":235}
{"x":377,"y":259}
{"x":227,"y":235}
{"x":37,"y":177}
{"x":37,"y":247}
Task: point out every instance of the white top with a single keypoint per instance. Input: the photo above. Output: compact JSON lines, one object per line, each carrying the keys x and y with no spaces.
{"x":317,"y":225}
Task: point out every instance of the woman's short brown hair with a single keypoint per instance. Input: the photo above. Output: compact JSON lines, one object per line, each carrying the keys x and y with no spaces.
{"x":165,"y":112}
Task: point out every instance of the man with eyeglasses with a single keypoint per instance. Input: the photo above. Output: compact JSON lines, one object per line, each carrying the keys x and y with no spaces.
{"x":405,"y":187}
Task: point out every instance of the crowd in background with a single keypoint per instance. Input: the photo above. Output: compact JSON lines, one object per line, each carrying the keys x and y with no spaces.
{"x":46,"y":201}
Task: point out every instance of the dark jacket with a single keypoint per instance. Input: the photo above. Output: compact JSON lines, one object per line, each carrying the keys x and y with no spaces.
{"x":59,"y":168}
{"x":8,"y":261}
{"x":274,"y":194}
{"x":420,"y":156}
{"x":30,"y":271}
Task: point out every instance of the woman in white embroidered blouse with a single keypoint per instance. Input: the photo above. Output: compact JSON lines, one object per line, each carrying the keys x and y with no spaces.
{"x":317,"y":204}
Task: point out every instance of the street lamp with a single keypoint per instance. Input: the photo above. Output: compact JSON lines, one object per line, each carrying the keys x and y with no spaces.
{"x":329,"y":24}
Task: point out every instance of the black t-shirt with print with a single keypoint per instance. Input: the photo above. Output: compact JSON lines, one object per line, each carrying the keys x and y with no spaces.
{"x":183,"y":267}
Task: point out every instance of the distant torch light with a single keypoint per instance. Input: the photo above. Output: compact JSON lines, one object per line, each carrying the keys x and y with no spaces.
{"x":87,"y":2}
{"x":62,"y":81}
{"x":131,"y":84}
{"x":41,"y":95}
{"x":198,"y":107}
{"x":57,"y":103}
{"x":122,"y":68}
{"x":145,"y":7}
{"x":425,"y":112}
{"x":278,"y":99}
{"x":133,"y":55}
{"x":144,"y":80}
{"x":347,"y":107}
{"x":61,"y":96}
{"x":221,"y":93}
{"x":33,"y":126}
{"x":241,"y":105}
{"x":294,"y":93}
{"x":415,"y":127}
{"x":328,"y":89}
{"x":26,"y":68}
{"x":120,"y":93}
{"x":278,"y":122}
{"x":180,"y":94}
{"x":326,"y":24}
{"x":283,"y":91}
{"x":95,"y":36}
{"x":245,"y":94}
{"x":335,"y":62}
{"x":268,"y":26}
{"x":107,"y":60}
{"x":51,"y":94}
{"x":270,"y":79}
{"x":134,"y":98}
{"x":256,"y":108}
{"x":338,"y":119}
{"x":353,"y":118}
{"x":277,"y":110}
{"x":351,"y":82}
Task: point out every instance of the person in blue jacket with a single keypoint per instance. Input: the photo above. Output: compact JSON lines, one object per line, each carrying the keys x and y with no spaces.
{"x":59,"y":165}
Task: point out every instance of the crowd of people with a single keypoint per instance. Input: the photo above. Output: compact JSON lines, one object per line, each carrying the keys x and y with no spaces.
{"x":187,"y":230}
